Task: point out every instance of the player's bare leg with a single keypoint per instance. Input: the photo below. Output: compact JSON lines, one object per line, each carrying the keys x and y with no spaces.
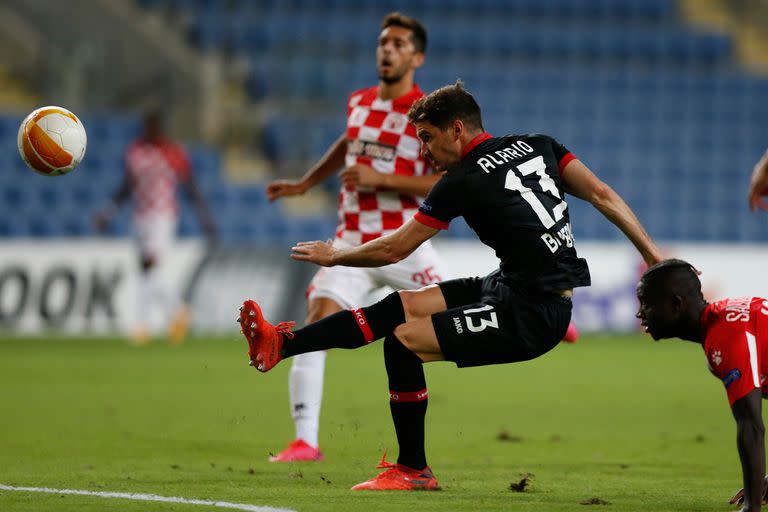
{"x":305,"y":386}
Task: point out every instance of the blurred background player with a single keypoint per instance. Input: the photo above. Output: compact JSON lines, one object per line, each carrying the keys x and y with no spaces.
{"x":758,"y":185}
{"x":734,"y":336}
{"x":154,"y":168}
{"x":383,"y":177}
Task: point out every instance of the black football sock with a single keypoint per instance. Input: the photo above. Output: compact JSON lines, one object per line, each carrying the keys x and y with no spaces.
{"x":407,"y":401}
{"x":348,"y":329}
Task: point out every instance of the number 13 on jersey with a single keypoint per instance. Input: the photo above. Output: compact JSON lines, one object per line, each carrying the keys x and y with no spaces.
{"x":547,"y":184}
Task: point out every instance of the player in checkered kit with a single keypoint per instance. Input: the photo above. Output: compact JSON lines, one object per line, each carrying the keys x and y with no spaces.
{"x":155,"y":166}
{"x":383,"y":177}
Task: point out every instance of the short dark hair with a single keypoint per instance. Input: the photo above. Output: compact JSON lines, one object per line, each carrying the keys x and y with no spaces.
{"x":154,"y":115}
{"x":673,"y":277}
{"x":418,"y":32}
{"x":445,"y":105}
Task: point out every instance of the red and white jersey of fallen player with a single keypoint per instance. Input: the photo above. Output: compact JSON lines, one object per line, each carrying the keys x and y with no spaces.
{"x":736,"y":344}
{"x":379,"y":135}
{"x":155,"y":171}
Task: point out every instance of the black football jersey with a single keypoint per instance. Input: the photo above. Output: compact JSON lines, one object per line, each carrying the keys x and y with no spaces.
{"x":510,"y":192}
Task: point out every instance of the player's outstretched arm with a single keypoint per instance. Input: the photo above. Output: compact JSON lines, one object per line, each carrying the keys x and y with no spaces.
{"x":750,"y":435}
{"x":582,"y":183}
{"x":365,"y":176}
{"x":331,"y":161}
{"x":202,"y":209}
{"x":376,"y":253}
{"x":121,"y":195}
{"x":758,"y":184}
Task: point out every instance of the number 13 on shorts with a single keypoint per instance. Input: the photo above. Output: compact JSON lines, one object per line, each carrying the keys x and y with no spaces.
{"x":493,"y":322}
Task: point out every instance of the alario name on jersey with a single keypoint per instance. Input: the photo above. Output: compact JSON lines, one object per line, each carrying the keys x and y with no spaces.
{"x":517,"y":149}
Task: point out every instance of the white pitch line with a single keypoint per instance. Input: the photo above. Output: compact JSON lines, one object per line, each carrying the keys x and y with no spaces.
{"x":148,"y":497}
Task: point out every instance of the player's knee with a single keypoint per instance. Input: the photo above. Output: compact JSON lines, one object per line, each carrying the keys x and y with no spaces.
{"x":403,"y":333}
{"x":315,"y":314}
{"x":318,"y":309}
{"x":411,"y":307}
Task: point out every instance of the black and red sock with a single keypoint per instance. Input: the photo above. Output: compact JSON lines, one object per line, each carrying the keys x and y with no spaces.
{"x":348,"y":329}
{"x":407,"y":401}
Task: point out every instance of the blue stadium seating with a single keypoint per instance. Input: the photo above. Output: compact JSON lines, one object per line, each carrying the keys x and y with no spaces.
{"x":658,"y":109}
{"x":40,"y":206}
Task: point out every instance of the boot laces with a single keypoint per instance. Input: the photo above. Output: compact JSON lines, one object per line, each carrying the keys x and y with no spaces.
{"x":383,"y":464}
{"x":284,"y":328}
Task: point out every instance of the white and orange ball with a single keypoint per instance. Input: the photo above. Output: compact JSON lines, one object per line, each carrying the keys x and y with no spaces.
{"x":52,"y":141}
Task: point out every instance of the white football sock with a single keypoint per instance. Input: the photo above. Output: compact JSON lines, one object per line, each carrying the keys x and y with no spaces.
{"x":146,"y":299}
{"x":305,"y":384}
{"x":160,"y":296}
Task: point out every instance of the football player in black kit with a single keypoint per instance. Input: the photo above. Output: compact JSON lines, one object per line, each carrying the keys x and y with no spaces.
{"x":511,"y":191}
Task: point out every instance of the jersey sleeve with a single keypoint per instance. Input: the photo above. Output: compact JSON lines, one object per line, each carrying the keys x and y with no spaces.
{"x":563,"y":156}
{"x":442,"y":204}
{"x":734,"y":359}
{"x":180,"y":162}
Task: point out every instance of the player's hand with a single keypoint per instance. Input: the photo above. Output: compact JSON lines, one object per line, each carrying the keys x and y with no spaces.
{"x":738,"y":498}
{"x":360,"y":175}
{"x":284,"y":188}
{"x":318,"y":252}
{"x":757,"y":191}
{"x":758,"y":185}
{"x":101,"y":222}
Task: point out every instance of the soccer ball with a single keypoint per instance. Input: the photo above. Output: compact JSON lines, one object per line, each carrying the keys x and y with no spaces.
{"x":52,"y":141}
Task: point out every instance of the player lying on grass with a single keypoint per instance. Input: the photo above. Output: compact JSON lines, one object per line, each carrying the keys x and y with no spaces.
{"x":734,"y":335}
{"x":510,"y":191}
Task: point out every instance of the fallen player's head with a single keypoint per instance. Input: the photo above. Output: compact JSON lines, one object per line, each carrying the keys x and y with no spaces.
{"x":670,"y":298}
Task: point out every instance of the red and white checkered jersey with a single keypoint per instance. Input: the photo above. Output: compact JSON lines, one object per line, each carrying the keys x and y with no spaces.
{"x":736,"y":344}
{"x":155,"y":170}
{"x":379,"y":135}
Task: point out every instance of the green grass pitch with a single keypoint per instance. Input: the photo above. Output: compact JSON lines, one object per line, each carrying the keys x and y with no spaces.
{"x":638,"y":425}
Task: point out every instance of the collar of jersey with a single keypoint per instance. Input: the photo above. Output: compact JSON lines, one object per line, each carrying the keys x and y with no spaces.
{"x":474,"y":142}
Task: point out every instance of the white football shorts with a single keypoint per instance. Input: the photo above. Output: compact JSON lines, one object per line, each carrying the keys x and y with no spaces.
{"x":352,"y":287}
{"x":155,"y":234}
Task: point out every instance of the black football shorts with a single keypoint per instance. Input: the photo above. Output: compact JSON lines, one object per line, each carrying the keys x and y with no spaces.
{"x":489,"y":322}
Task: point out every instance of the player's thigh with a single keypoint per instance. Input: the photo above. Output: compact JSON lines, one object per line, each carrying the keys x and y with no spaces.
{"x":422,"y":303}
{"x":421,"y":268}
{"x":422,"y":306}
{"x":348,"y":287}
{"x":321,"y":307}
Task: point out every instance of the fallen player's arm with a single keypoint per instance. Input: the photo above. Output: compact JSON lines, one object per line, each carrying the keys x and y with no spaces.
{"x":750,"y":434}
{"x":376,"y":253}
{"x":579,"y":181}
{"x":758,"y":183}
